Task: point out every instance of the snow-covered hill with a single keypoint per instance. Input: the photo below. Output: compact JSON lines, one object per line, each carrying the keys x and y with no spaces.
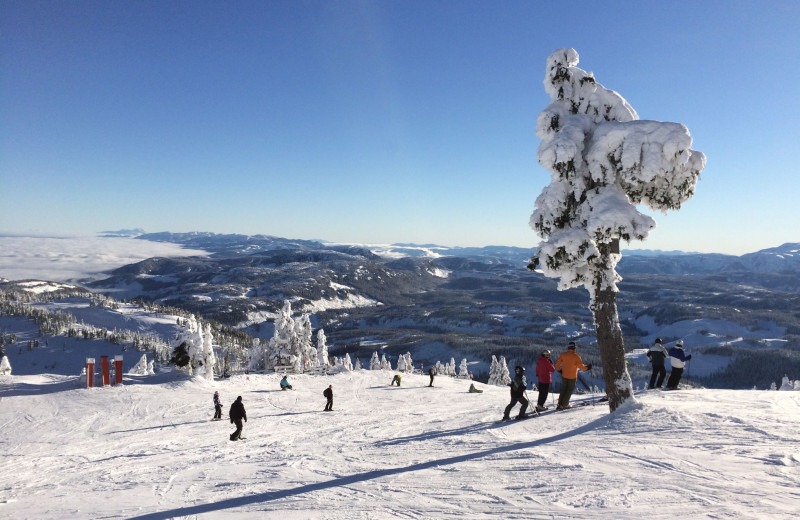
{"x":148,"y":450}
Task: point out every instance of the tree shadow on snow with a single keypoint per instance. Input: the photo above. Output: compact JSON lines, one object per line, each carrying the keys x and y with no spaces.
{"x":349,"y":480}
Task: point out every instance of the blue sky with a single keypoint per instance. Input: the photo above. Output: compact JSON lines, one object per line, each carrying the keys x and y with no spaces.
{"x":376,"y":122}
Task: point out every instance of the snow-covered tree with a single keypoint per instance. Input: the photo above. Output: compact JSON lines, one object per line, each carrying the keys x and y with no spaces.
{"x":347,"y":362}
{"x":193,"y":349}
{"x":374,"y":362}
{"x":140,"y":368}
{"x":786,"y":384}
{"x":604,"y":162}
{"x":209,"y":360}
{"x":5,"y":366}
{"x":401,"y":364}
{"x":503,"y":377}
{"x":493,"y":371}
{"x":322,"y":348}
{"x":463,"y":371}
{"x":385,"y":363}
{"x":409,"y":363}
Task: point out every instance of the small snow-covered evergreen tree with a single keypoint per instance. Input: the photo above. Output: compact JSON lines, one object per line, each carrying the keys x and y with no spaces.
{"x":5,"y":366}
{"x":374,"y":362}
{"x":401,"y":364}
{"x":786,"y":384}
{"x":493,"y":372}
{"x":463,"y":371}
{"x":385,"y":363}
{"x":604,"y":162}
{"x":504,"y":378}
{"x":347,"y":362}
{"x":322,"y":349}
{"x":140,"y":368}
{"x":409,"y":363}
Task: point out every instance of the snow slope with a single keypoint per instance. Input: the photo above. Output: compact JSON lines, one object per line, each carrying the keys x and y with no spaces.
{"x":147,"y":450}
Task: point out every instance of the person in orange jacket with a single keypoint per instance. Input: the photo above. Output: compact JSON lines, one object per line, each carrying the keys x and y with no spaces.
{"x":568,"y":365}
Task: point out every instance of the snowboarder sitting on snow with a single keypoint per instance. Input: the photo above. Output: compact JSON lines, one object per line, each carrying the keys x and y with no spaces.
{"x":237,"y":413}
{"x":657,"y":355}
{"x":396,"y":378}
{"x":544,"y":375}
{"x":568,"y":365}
{"x":474,"y":390}
{"x":517,"y":385}
{"x":431,"y":372}
{"x":677,"y":359}
{"x":328,"y":393}
{"x":217,"y":407}
{"x":285,"y":384}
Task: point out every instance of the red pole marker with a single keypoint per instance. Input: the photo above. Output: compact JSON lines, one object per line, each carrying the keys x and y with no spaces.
{"x":89,"y":372}
{"x":104,"y":369}
{"x":118,"y":370}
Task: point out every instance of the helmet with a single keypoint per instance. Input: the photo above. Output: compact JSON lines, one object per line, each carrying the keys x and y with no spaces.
{"x":679,"y":343}
{"x":545,"y":352}
{"x":519,"y":369}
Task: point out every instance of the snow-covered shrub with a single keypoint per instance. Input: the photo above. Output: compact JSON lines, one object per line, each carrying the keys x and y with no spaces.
{"x":374,"y":362}
{"x":5,"y":366}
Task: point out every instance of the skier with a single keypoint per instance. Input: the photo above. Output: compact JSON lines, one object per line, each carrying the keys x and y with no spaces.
{"x":237,"y":413}
{"x":328,"y":393}
{"x":217,"y":407}
{"x":677,"y":359}
{"x":657,"y":355}
{"x":431,"y":372}
{"x":517,"y":385}
{"x":396,"y":378}
{"x":544,"y":376}
{"x":568,"y":365}
{"x":285,"y":384}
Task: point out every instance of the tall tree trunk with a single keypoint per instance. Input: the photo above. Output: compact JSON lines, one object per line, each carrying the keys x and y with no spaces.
{"x":612,"y":349}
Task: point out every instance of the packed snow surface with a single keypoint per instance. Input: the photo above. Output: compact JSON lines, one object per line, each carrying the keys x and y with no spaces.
{"x":147,"y":449}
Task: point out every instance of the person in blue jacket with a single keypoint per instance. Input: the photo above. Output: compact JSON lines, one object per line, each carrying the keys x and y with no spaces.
{"x":285,"y":384}
{"x":677,"y":359}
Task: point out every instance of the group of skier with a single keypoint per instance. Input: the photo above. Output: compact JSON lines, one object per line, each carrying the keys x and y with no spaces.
{"x":658,"y":354}
{"x":568,"y":364}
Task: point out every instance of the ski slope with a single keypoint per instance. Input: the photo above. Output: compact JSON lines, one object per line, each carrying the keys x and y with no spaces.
{"x":148,"y":450}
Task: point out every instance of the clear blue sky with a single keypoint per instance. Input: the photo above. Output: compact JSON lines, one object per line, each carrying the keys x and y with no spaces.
{"x":392,"y":121}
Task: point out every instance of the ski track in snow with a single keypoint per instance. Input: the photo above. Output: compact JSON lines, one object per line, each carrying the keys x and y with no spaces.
{"x":148,"y":450}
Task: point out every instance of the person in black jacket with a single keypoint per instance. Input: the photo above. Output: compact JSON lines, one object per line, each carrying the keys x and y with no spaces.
{"x":217,"y":407}
{"x":517,"y":385}
{"x":237,"y":413}
{"x":657,"y":355}
{"x":432,"y":373}
{"x":328,"y":393}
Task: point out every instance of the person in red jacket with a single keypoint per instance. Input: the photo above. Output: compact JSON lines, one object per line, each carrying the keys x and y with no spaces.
{"x":568,"y":365}
{"x":544,"y":375}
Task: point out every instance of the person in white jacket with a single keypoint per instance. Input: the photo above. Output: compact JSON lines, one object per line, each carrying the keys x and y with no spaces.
{"x":677,"y":359}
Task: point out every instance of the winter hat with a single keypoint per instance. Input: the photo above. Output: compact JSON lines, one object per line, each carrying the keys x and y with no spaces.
{"x":571,"y":345}
{"x":658,"y":340}
{"x":239,"y":398}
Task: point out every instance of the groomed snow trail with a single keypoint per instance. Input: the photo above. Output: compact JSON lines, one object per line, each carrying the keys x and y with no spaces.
{"x":148,"y":450}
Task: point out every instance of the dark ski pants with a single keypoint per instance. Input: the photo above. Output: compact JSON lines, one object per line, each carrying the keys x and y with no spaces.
{"x":218,"y":411}
{"x":431,"y":383}
{"x":544,"y":390}
{"x":238,"y":433}
{"x":515,"y":400}
{"x":659,"y":372}
{"x":329,"y":405}
{"x":674,"y":377}
{"x":567,"y":387}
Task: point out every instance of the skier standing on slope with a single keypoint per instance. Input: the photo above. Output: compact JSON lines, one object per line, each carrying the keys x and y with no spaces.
{"x":237,"y":413}
{"x":517,"y":385}
{"x":432,"y":373}
{"x":328,"y":393}
{"x":657,"y":355}
{"x":217,"y":407}
{"x":677,"y":359}
{"x":568,"y":365}
{"x":544,"y":376}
